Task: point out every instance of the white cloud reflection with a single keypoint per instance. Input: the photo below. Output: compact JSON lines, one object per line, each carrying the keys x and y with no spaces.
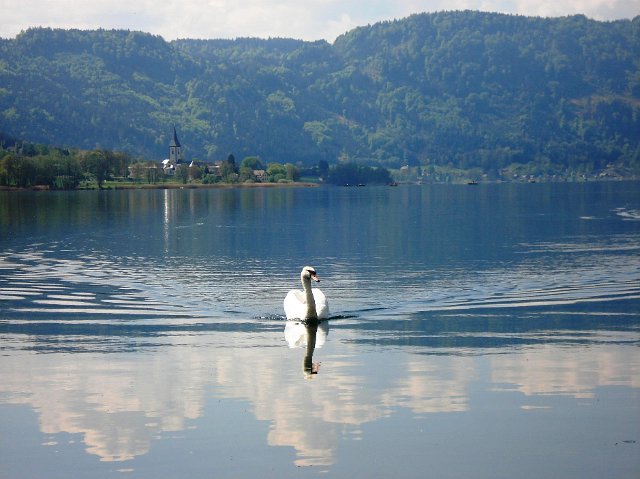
{"x":122,"y":402}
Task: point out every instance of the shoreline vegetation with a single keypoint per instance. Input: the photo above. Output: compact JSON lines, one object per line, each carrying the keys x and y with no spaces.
{"x":41,"y":167}
{"x":113,"y":186}
{"x":35,"y":167}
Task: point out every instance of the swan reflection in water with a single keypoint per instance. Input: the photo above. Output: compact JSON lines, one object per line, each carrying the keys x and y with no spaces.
{"x":310,"y":334}
{"x":312,"y":305}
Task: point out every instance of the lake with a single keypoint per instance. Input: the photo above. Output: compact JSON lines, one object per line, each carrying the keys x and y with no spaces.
{"x":487,"y":331}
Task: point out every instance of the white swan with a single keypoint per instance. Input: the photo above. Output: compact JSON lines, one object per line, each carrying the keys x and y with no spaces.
{"x":307,"y":304}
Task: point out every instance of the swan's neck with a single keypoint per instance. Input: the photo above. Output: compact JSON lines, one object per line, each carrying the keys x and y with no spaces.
{"x":311,"y":303}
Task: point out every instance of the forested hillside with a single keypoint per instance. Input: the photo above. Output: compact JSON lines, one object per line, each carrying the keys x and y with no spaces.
{"x":459,"y":90}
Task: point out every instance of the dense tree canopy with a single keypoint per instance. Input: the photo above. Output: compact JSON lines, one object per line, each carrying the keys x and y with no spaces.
{"x":25,"y":165}
{"x":460,"y":89}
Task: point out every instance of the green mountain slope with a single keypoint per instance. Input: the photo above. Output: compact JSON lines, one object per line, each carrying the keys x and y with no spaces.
{"x":463,"y":89}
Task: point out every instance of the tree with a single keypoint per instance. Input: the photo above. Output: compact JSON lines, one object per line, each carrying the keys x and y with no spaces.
{"x":252,"y":162}
{"x":153,"y":172}
{"x":97,"y":164}
{"x":246,"y":174}
{"x":276,"y":172}
{"x":231,"y":162}
{"x":16,"y":170}
{"x":293,"y":172}
{"x":323,"y":169}
{"x":353,"y":174}
{"x":195,"y":172}
{"x":228,"y":172}
{"x":182,"y":173}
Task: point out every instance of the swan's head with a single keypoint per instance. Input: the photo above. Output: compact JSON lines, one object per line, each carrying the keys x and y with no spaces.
{"x":308,"y":273}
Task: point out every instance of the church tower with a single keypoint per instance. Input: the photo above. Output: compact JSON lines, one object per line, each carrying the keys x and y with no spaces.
{"x":175,"y":149}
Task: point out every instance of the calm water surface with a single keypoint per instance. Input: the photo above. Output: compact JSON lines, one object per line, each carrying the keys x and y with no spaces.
{"x":490,"y":331}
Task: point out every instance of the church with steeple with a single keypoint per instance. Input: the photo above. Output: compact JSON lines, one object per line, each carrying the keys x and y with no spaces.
{"x":175,"y":149}
{"x":170,"y":164}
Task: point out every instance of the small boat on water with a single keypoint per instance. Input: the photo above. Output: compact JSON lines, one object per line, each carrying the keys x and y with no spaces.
{"x":472,"y":182}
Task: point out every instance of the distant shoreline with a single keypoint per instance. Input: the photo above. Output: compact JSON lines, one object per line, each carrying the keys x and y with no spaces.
{"x":171,"y":186}
{"x":199,"y":186}
{"x":196,"y":186}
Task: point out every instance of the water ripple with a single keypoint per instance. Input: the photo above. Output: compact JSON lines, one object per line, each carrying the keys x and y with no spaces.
{"x":42,"y":282}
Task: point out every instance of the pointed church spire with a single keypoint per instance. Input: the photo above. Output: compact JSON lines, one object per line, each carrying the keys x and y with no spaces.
{"x":175,"y":141}
{"x":175,"y":149}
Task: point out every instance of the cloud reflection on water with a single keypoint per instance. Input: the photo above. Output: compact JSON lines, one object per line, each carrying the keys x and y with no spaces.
{"x":122,"y":402}
{"x":129,"y":318}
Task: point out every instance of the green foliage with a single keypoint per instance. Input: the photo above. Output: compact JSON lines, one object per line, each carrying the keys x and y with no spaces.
{"x":354,"y":174}
{"x":182,"y":174}
{"x":246,"y":175}
{"x":209,"y":179}
{"x":25,"y":165}
{"x":276,"y":172}
{"x":453,"y":90}
{"x":293,"y":172}
{"x":229,"y":170}
{"x":252,"y":162}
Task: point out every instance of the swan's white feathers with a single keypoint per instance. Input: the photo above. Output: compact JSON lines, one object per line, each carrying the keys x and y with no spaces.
{"x":295,"y":303}
{"x":322,"y":305}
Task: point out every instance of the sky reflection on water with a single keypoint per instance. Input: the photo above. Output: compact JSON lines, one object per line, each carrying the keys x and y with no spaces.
{"x":119,"y":404}
{"x":147,"y":339}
